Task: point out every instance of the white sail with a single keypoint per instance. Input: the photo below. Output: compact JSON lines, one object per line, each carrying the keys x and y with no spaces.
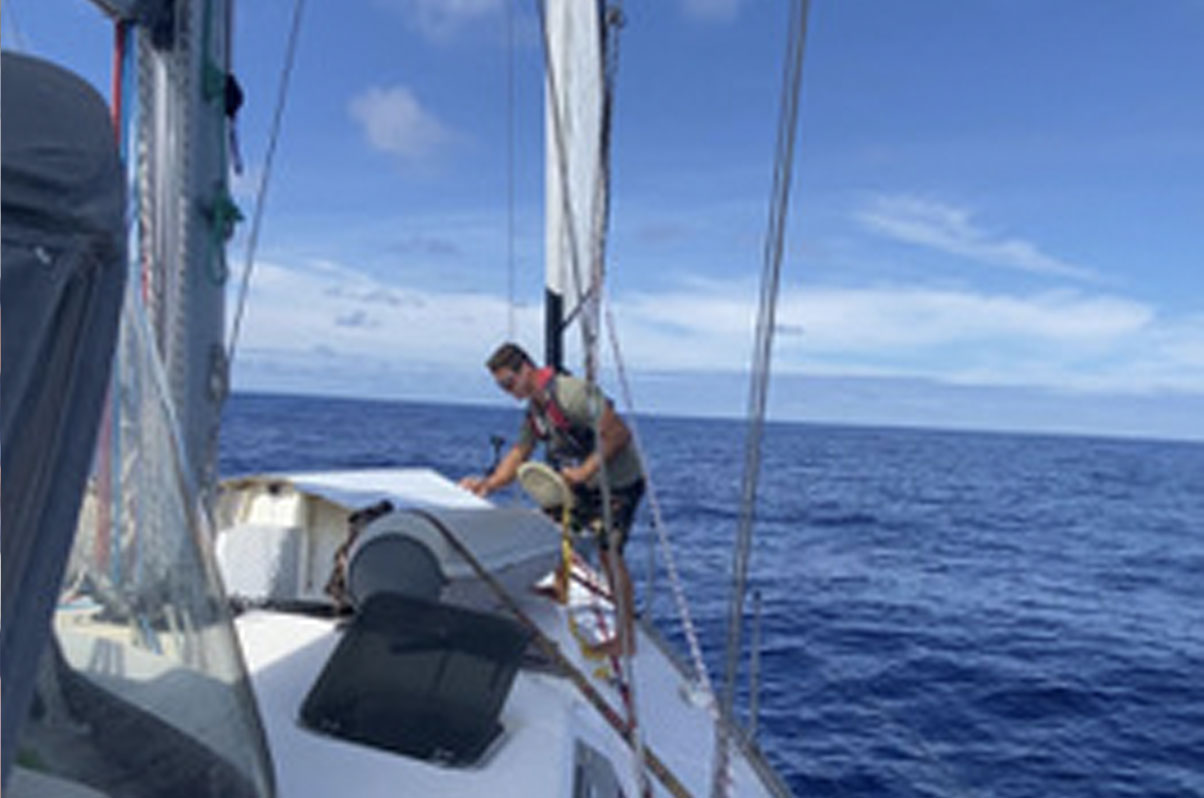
{"x":575,"y":189}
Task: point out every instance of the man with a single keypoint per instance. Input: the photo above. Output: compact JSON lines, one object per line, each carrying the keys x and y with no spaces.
{"x":560,"y":413}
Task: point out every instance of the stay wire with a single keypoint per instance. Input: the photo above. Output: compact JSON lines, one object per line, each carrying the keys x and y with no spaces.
{"x":261,"y":194}
{"x":658,"y":523}
{"x":759,"y":378}
{"x":610,"y":25}
{"x":589,"y":311}
{"x":600,"y":202}
{"x":595,"y":296}
{"x":511,"y":321}
{"x":589,"y":300}
{"x":549,"y":647}
{"x":19,"y":41}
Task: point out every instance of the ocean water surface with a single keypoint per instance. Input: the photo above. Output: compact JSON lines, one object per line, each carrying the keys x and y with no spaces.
{"x":943,"y":613}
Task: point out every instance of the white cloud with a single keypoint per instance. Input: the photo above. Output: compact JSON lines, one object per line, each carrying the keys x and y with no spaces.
{"x":439,"y":20}
{"x":395,"y":122}
{"x":952,"y":230}
{"x":878,"y":319}
{"x":1059,"y":340}
{"x":328,"y":307}
{"x":887,"y":319}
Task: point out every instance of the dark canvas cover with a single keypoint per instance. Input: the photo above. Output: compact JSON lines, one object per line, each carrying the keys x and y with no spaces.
{"x":61,"y":282}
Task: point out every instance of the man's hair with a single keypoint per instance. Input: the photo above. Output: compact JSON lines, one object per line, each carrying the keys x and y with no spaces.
{"x":508,"y":356}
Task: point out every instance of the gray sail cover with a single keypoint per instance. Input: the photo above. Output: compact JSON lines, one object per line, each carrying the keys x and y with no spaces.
{"x":61,"y":283}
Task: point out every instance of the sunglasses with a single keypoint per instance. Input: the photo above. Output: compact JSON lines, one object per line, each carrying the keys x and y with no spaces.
{"x":507,"y":382}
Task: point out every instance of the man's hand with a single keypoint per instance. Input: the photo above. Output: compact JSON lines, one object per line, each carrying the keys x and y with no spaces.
{"x":475,"y":484}
{"x":575,"y":475}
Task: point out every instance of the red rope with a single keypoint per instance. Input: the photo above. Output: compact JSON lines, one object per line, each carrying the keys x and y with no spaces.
{"x":119,"y":39}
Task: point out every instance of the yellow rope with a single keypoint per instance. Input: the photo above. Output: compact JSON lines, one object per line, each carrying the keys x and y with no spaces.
{"x":566,"y":557}
{"x":564,"y":577}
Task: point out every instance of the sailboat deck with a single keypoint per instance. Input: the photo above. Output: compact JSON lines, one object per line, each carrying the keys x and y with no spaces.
{"x":545,"y":719}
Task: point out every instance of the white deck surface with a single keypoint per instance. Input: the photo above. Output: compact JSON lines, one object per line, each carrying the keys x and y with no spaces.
{"x":542,"y":717}
{"x":405,"y":487}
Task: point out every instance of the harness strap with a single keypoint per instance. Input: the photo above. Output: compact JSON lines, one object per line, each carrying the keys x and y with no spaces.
{"x":557,"y":419}
{"x":545,"y":382}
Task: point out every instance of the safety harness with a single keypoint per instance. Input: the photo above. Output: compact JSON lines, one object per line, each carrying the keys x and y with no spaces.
{"x":550,"y":423}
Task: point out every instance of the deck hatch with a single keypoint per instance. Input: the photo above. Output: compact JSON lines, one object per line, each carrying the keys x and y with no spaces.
{"x":418,"y":678}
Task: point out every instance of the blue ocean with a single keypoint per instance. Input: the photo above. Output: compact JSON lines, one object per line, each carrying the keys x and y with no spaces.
{"x":943,"y":613}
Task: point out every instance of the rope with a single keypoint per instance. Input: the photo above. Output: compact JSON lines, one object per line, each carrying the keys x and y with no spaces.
{"x":592,"y":295}
{"x":260,"y":199}
{"x":658,"y":523}
{"x":762,"y":353}
{"x":549,"y":647}
{"x":754,"y":669}
{"x":561,"y":160}
{"x":589,"y":302}
{"x":511,"y":323}
{"x":564,"y":577}
{"x":121,"y":32}
{"x":19,"y":41}
{"x":600,"y":205}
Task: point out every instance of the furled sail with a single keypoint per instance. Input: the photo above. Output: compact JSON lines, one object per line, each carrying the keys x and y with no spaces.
{"x":575,"y":171}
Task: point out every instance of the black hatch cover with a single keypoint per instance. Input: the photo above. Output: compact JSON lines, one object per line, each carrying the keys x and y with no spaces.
{"x":422,"y":679}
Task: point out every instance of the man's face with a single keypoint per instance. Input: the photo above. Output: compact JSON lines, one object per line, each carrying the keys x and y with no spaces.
{"x":520,"y":384}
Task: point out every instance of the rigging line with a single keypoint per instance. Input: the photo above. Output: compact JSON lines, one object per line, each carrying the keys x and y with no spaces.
{"x":261,"y":196}
{"x":658,"y":522}
{"x":591,"y":299}
{"x":762,"y":354}
{"x":552,"y":650}
{"x":571,"y":316}
{"x":569,"y":224}
{"x":588,"y":308}
{"x":511,"y":324}
{"x":590,"y":302}
{"x":19,"y":40}
{"x":613,"y":20}
{"x":561,"y":150}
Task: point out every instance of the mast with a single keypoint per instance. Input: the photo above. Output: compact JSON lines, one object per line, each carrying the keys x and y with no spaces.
{"x":574,"y":52}
{"x":184,"y":212}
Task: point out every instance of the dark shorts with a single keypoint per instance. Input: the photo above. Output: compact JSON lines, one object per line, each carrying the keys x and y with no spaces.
{"x":587,"y":511}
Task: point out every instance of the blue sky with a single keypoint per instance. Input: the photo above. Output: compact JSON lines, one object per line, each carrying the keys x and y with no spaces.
{"x":997,"y":218}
